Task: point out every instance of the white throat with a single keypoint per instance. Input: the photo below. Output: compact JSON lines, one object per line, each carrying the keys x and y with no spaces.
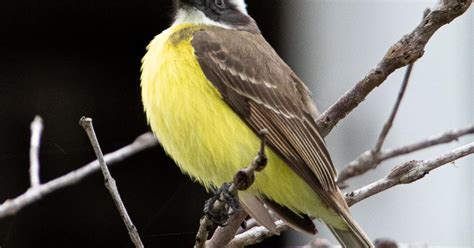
{"x":196,"y":16}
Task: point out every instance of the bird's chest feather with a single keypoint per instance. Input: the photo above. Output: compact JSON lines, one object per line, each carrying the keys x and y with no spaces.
{"x":191,"y":120}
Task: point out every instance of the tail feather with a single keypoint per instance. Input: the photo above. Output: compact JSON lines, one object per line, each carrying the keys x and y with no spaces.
{"x":353,"y":237}
{"x":255,"y":208}
{"x":302,"y":223}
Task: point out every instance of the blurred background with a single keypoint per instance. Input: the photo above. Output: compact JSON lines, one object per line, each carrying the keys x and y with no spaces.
{"x":66,"y":59}
{"x":332,"y":45}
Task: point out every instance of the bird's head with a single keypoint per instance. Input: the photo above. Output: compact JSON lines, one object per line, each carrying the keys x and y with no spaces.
{"x":230,"y":14}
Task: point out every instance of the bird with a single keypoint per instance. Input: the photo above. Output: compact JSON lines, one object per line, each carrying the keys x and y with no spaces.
{"x":210,"y":83}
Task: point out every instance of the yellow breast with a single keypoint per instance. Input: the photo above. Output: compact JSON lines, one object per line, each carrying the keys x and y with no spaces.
{"x":201,"y":132}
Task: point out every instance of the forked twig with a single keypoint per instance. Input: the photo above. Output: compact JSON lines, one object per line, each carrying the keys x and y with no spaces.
{"x":13,"y":206}
{"x":406,"y":51}
{"x":406,"y":173}
{"x":369,"y":160}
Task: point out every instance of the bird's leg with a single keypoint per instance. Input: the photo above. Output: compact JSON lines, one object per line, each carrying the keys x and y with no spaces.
{"x":225,"y":202}
{"x":222,"y":205}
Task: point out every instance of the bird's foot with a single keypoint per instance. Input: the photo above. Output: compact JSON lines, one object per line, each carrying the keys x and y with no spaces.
{"x":229,"y":205}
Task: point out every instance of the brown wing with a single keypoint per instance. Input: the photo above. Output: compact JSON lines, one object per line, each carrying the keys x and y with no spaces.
{"x":266,"y":93}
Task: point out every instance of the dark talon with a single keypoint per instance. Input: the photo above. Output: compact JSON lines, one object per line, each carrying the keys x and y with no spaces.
{"x":232,"y":206}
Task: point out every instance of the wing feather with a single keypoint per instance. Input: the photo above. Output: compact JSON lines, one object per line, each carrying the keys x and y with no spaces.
{"x":266,"y":93}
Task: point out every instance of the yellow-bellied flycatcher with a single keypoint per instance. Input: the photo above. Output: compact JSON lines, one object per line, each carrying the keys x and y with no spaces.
{"x":209,"y":83}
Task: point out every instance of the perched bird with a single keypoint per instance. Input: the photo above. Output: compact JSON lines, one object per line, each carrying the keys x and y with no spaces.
{"x":210,"y":83}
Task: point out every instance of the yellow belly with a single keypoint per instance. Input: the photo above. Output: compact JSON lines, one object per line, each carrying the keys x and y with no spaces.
{"x":202,"y":133}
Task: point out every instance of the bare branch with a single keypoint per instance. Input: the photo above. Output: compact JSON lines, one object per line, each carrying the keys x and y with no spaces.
{"x":255,"y":235}
{"x":223,"y":235}
{"x":11,"y":207}
{"x":375,"y":152}
{"x":36,"y":131}
{"x":406,"y":51}
{"x":393,"y":115}
{"x":407,"y":173}
{"x":110,"y":183}
{"x":370,"y":160}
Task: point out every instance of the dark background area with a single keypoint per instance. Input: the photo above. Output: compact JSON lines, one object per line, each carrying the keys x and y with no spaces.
{"x":66,"y":59}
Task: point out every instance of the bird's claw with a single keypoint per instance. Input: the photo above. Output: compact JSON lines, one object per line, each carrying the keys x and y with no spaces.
{"x":231,"y":206}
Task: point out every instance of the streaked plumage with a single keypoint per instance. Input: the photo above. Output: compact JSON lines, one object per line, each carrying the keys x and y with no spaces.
{"x":208,"y":89}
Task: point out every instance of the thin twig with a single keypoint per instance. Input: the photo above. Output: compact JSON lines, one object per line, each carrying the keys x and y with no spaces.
{"x":205,"y":226}
{"x":36,"y":131}
{"x":110,"y":183}
{"x":370,"y":160}
{"x":389,"y":124}
{"x":406,"y":51}
{"x":13,"y":206}
{"x":255,"y":235}
{"x":407,"y":173}
{"x":243,"y":179}
{"x":223,"y":235}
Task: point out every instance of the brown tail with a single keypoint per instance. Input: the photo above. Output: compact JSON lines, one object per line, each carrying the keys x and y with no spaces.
{"x":354,"y":237}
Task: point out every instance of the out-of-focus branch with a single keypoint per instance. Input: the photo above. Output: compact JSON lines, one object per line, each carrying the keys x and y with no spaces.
{"x":370,"y":160}
{"x":407,"y":173}
{"x":406,"y":51}
{"x":11,"y":207}
{"x":36,"y":131}
{"x":389,"y":124}
{"x":375,"y":152}
{"x":110,"y":183}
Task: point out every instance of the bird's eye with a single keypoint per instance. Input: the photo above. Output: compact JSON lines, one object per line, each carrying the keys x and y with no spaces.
{"x":220,"y":3}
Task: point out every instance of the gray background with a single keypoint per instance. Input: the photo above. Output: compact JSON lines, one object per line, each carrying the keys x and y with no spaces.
{"x":332,"y":45}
